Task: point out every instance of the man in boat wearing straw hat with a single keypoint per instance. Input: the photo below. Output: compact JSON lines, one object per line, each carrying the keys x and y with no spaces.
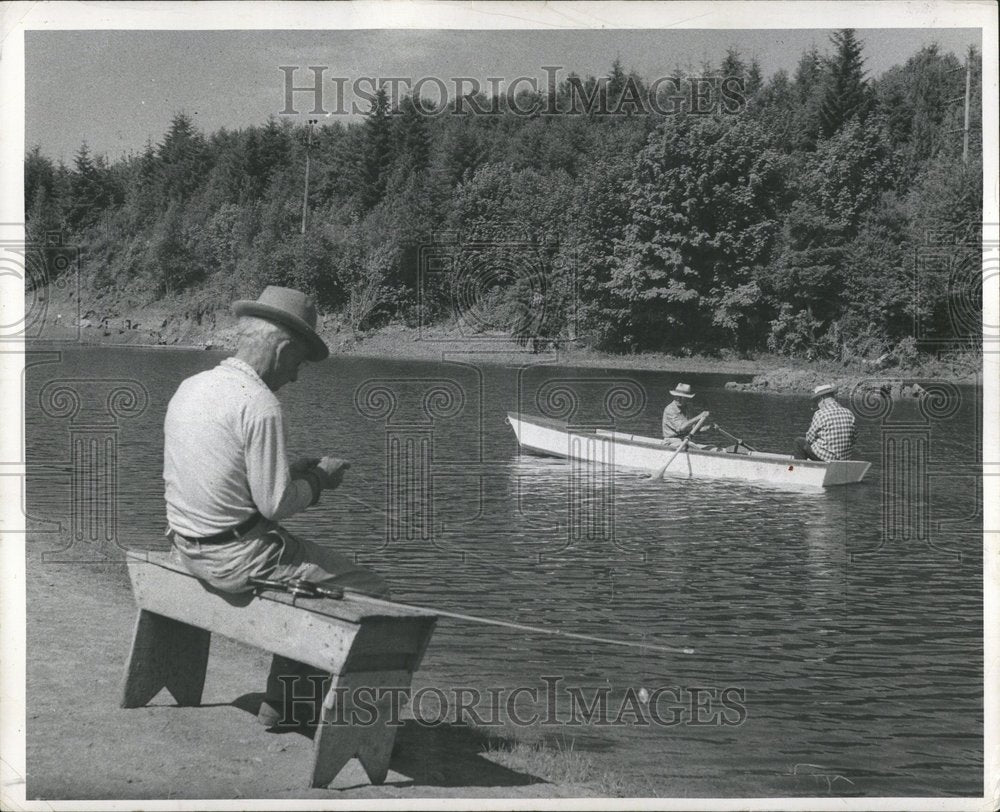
{"x":228,"y":481}
{"x":832,"y":432}
{"x":676,"y":423}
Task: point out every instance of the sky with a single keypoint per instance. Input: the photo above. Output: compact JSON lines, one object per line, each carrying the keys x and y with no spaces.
{"x":118,"y":89}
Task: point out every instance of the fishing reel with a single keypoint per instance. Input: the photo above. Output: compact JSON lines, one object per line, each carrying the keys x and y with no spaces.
{"x":299,"y":588}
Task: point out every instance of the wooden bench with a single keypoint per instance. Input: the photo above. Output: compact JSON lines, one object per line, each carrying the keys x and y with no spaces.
{"x":360,"y":644}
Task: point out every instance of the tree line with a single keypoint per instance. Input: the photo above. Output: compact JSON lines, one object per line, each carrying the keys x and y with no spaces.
{"x":822,"y":216}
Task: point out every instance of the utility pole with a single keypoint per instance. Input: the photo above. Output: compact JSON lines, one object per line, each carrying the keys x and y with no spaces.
{"x":968,"y":86}
{"x":305,"y":193}
{"x":964,"y":129}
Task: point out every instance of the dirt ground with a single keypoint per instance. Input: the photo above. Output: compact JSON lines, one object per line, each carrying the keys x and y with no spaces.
{"x":81,"y":745}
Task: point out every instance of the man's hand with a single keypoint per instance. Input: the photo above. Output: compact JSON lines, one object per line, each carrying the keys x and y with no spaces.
{"x":331,"y":471}
{"x":303,"y":464}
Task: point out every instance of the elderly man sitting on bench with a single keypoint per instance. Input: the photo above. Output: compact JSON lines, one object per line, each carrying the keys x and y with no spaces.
{"x":228,"y":482}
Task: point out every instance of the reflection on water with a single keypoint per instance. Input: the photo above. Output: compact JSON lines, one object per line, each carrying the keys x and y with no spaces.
{"x":859,"y":658}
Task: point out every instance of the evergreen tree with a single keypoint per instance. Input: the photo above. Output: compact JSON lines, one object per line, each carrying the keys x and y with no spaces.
{"x":922,"y":102}
{"x":183,"y":159}
{"x":845,"y":92}
{"x":38,"y":173}
{"x":809,"y":91}
{"x":88,"y":195}
{"x":410,"y":143}
{"x":143,"y":194}
{"x":808,"y":73}
{"x":776,"y":106}
{"x":44,"y":199}
{"x":616,"y":83}
{"x":274,"y":148}
{"x":793,"y":226}
{"x":733,"y":66}
{"x":731,"y":81}
{"x":754,"y":80}
{"x":43,"y":217}
{"x":376,"y":156}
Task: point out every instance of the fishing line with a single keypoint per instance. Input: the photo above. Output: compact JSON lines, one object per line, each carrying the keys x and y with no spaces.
{"x":521,"y":626}
{"x":518,"y":626}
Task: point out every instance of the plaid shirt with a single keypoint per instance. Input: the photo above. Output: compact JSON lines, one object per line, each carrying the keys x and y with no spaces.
{"x":832,"y":433}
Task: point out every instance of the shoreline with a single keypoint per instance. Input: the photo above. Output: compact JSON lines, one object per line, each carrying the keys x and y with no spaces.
{"x":218,"y":750}
{"x":166,"y":326}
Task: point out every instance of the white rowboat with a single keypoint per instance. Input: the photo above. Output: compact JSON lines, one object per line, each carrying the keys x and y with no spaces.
{"x":540,"y":435}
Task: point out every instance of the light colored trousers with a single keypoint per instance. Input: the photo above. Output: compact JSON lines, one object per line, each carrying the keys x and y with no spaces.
{"x":271,"y":552}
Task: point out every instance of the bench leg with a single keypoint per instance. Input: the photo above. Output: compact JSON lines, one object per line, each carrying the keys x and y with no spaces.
{"x":165,"y":654}
{"x":349,"y":729}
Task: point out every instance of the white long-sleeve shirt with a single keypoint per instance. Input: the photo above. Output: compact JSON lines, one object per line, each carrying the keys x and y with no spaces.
{"x":224,"y":453}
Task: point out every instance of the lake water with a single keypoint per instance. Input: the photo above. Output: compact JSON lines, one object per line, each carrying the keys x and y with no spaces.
{"x":837,"y":634}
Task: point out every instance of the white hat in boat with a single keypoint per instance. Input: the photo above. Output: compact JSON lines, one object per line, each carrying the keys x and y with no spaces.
{"x":683,"y":390}
{"x":824,"y":390}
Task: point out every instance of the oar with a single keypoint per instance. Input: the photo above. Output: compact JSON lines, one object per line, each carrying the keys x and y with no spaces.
{"x":739,"y":441}
{"x":682,"y":446}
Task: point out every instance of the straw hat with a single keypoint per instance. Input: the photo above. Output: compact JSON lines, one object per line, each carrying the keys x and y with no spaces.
{"x":683,"y":390}
{"x":290,"y":308}
{"x":824,"y":390}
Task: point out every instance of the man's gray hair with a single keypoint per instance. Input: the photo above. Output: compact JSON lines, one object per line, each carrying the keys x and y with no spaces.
{"x":260,"y":335}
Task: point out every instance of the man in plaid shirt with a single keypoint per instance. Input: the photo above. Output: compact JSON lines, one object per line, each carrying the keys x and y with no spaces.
{"x":832,"y":433}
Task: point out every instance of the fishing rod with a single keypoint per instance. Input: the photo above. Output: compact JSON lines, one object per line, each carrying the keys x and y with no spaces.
{"x":508,"y":624}
{"x":299,"y":587}
{"x":739,"y":440}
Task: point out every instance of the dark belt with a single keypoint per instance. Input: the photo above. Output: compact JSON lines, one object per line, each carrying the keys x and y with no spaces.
{"x":232,"y":533}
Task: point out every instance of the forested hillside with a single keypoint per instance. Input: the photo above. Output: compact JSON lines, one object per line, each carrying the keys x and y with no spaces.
{"x":795,"y":223}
